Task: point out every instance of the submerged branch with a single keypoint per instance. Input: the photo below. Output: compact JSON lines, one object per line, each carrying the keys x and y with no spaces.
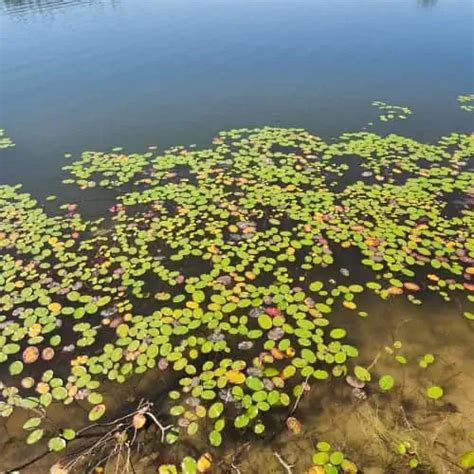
{"x":163,"y":429}
{"x":288,"y":467}
{"x":29,"y":463}
{"x":304,"y":387}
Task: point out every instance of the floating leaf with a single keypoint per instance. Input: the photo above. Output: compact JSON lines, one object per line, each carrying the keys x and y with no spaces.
{"x":434,"y":392}
{"x":68,"y":434}
{"x":95,"y":398}
{"x":189,"y":465}
{"x":323,"y":446}
{"x":241,"y":421}
{"x":362,"y":373}
{"x":316,"y":286}
{"x":34,"y":436}
{"x":293,"y":425}
{"x":204,"y":462}
{"x":216,"y":410}
{"x":467,"y":460}
{"x":215,"y":438}
{"x":32,"y":423}
{"x":336,"y":458}
{"x":97,"y":412}
{"x":265,"y":322}
{"x":337,"y":333}
{"x":321,"y":458}
{"x":386,"y":382}
{"x":254,"y":383}
{"x":59,"y":393}
{"x":30,"y":355}
{"x":56,"y":444}
{"x":139,"y":421}
{"x":16,"y":367}
{"x":259,"y":428}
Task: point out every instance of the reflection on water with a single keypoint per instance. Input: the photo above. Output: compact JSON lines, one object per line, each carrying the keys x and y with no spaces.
{"x":428,"y":3}
{"x":27,"y":7}
{"x":82,"y":74}
{"x":21,"y":8}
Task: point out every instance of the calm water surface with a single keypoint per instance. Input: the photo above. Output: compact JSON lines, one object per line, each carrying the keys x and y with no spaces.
{"x":93,"y":74}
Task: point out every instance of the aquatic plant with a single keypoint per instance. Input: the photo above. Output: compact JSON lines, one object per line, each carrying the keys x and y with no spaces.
{"x":467,"y":460}
{"x":466,"y":102}
{"x":109,"y":170}
{"x":328,"y":461}
{"x":390,"y":112}
{"x":5,"y":141}
{"x":386,"y":382}
{"x":223,"y":266}
{"x":434,"y":392}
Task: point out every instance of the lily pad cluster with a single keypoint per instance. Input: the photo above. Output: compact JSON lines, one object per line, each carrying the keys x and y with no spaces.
{"x":466,"y":102}
{"x":329,"y":461}
{"x":389,"y":112}
{"x":189,"y":465}
{"x":5,"y":141}
{"x":108,"y":170}
{"x":224,"y":266}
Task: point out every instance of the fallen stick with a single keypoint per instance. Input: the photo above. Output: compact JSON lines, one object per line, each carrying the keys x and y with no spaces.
{"x":288,"y":467}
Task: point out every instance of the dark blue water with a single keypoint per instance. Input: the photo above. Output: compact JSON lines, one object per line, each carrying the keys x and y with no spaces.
{"x":91,"y":74}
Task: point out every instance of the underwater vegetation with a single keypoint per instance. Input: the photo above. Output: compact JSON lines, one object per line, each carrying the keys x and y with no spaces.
{"x":222,"y":267}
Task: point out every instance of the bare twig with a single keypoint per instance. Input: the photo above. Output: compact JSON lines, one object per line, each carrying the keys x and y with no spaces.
{"x":100,"y":443}
{"x":111,"y":441}
{"x":235,"y":468}
{"x":98,"y":463}
{"x":409,"y":426}
{"x":114,"y":422}
{"x":444,"y":458}
{"x":375,"y":360}
{"x":304,"y":386}
{"x":28,"y":463}
{"x":162,"y":428}
{"x":288,"y":467}
{"x":437,"y":430}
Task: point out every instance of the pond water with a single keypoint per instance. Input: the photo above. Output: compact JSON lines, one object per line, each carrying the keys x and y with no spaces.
{"x":270,"y":290}
{"x":91,"y":74}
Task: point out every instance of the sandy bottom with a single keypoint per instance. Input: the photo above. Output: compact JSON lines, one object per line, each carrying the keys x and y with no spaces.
{"x":367,"y":431}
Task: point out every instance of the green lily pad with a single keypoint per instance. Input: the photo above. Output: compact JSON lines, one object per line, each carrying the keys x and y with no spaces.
{"x":362,"y":373}
{"x":386,"y":382}
{"x":56,"y":444}
{"x":34,"y":436}
{"x":215,"y":438}
{"x":97,"y":412}
{"x":434,"y":392}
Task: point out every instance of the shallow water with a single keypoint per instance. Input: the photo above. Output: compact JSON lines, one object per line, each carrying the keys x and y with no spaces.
{"x":370,"y":431}
{"x":367,"y":431}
